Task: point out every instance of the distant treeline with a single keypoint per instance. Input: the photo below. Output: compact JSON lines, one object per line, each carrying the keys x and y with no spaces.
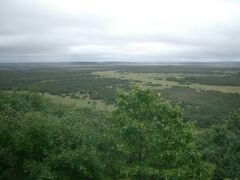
{"x":226,"y":80}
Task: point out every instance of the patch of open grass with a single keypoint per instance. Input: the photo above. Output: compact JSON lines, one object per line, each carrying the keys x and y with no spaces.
{"x":159,"y":81}
{"x":82,"y":101}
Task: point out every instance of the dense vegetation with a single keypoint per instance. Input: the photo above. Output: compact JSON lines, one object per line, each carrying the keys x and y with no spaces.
{"x":219,"y":79}
{"x":205,"y":107}
{"x":62,"y":81}
{"x":221,"y":146}
{"x":186,"y":69}
{"x":75,"y":80}
{"x":145,"y":138}
{"x":152,"y":140}
{"x":142,"y":137}
{"x":40,"y":140}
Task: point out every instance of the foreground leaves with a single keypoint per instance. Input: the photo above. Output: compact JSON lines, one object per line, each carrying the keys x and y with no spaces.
{"x":145,"y":138}
{"x":152,"y":141}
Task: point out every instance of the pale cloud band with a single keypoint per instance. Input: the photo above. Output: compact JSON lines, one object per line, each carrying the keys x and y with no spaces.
{"x":135,"y":30}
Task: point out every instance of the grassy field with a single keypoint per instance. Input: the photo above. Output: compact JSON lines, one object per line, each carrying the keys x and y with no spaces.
{"x":204,"y":102}
{"x":206,"y":93}
{"x":159,"y":80}
{"x":80,"y":102}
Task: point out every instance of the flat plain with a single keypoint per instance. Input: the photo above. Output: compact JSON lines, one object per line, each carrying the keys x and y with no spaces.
{"x":206,"y":92}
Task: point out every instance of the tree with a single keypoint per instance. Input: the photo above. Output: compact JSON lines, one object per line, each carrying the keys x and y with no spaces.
{"x":152,"y":141}
{"x":221,"y":145}
{"x":41,"y":140}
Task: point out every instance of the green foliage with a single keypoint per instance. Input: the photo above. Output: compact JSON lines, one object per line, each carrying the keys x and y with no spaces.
{"x":152,"y":141}
{"x":60,"y":81}
{"x":220,"y":80}
{"x":145,"y":138}
{"x":221,"y":146}
{"x":186,"y":69}
{"x":204,"y":107}
{"x":47,"y":141}
{"x":70,"y":79}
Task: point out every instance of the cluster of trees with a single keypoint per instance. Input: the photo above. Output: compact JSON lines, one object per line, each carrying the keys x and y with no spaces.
{"x":64,"y":81}
{"x":40,"y":140}
{"x":182,"y":69}
{"x":144,"y":138}
{"x":205,"y":107}
{"x":220,"y":145}
{"x":219,"y":79}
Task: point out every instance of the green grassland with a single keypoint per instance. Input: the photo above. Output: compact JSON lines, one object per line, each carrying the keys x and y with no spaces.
{"x":61,"y":121}
{"x":81,"y":102}
{"x":198,"y":89}
{"x":204,"y":103}
{"x":160,"y":80}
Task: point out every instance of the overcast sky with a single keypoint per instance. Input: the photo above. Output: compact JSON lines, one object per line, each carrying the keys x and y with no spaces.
{"x":119,"y":30}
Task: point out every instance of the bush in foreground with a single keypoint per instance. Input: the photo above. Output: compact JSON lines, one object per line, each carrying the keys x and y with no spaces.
{"x":152,"y":141}
{"x":145,"y":138}
{"x":220,"y":145}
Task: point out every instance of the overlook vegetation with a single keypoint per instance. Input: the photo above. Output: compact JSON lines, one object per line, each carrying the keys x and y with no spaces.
{"x":144,"y":138}
{"x":84,"y":85}
{"x":73,"y":122}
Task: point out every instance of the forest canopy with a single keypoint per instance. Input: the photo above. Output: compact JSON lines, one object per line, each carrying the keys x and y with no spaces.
{"x":144,"y":138}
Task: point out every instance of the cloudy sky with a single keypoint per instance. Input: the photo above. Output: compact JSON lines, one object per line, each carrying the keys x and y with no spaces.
{"x":119,"y":30}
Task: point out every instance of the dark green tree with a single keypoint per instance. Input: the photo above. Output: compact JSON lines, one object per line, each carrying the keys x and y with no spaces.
{"x":40,"y":140}
{"x":221,"y":145}
{"x":152,"y":141}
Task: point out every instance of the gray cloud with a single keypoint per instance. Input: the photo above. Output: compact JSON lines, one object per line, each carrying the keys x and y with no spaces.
{"x":68,"y":30}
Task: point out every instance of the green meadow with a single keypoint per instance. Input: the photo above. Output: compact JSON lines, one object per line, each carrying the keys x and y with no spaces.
{"x":95,"y":85}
